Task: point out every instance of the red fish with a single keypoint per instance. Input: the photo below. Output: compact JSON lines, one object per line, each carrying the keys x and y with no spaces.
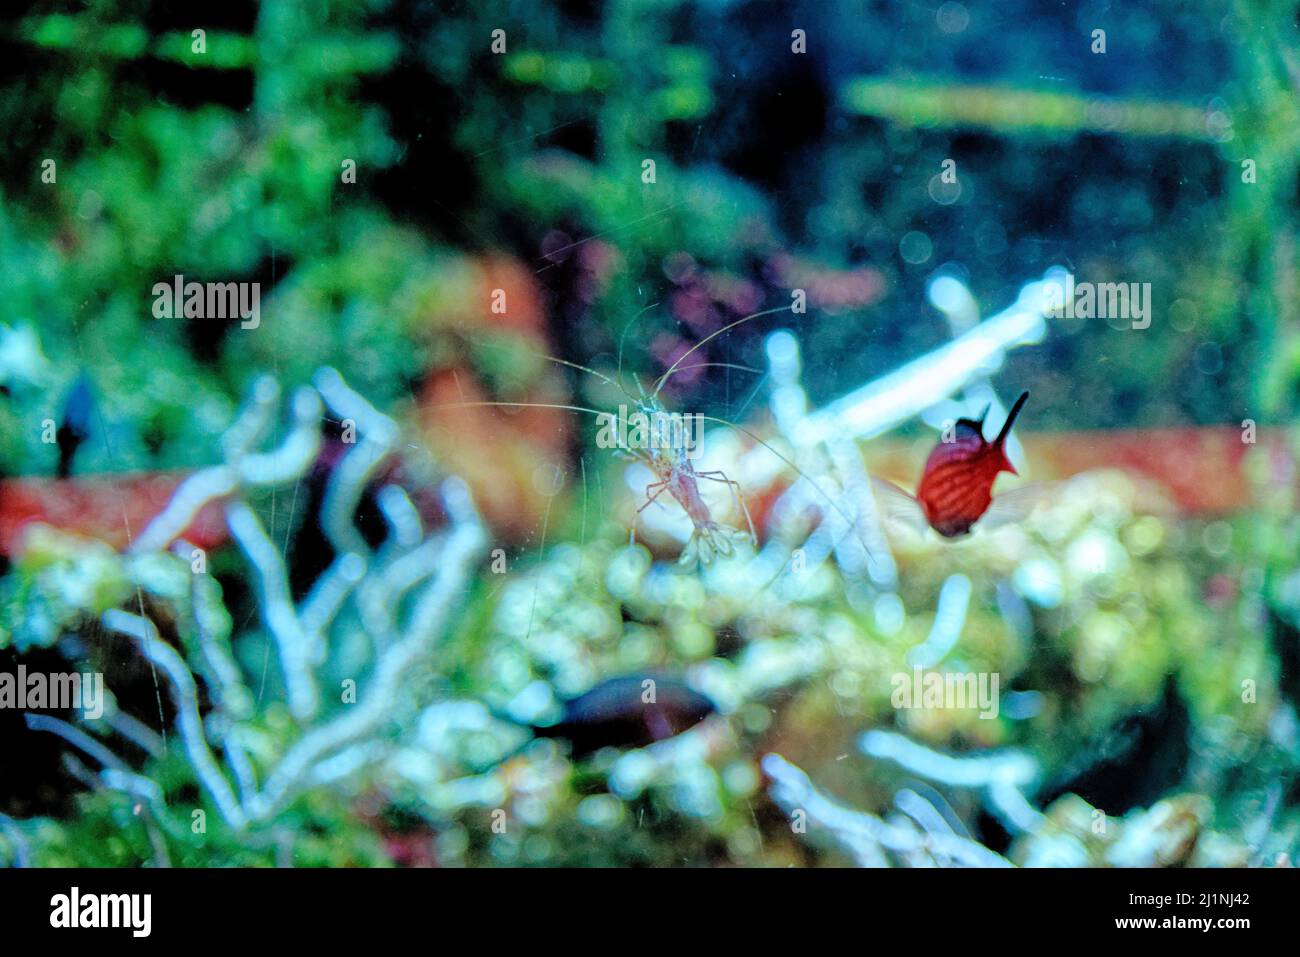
{"x":956,"y":487}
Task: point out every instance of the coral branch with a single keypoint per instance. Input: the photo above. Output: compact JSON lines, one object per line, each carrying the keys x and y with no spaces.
{"x":1001,"y":775}
{"x":278,"y":612}
{"x":185,"y":697}
{"x":867,"y":837}
{"x":378,"y":433}
{"x":241,"y":466}
{"x":462,"y":551}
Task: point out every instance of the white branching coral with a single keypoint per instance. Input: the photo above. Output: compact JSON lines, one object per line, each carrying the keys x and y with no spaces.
{"x":401,"y":597}
{"x":913,"y":837}
{"x":921,"y":834}
{"x":1002,"y":776}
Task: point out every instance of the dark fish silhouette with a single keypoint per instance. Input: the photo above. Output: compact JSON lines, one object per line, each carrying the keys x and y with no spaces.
{"x":956,"y":487}
{"x":630,"y":711}
{"x":1133,"y":763}
{"x":75,"y":427}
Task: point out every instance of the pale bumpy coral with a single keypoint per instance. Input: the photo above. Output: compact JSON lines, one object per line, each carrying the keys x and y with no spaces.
{"x":250,"y":763}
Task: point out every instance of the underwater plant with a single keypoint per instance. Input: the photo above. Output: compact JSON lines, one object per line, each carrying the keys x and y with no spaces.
{"x":361,"y":626}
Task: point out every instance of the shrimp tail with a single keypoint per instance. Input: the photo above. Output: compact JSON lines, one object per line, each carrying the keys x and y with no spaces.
{"x":711,"y":539}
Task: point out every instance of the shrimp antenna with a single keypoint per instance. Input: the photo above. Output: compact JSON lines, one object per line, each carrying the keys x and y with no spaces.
{"x":721,"y":365}
{"x":852,"y":524}
{"x":623,"y":335}
{"x":599,"y":375}
{"x":659,"y":383}
{"x":516,"y":405}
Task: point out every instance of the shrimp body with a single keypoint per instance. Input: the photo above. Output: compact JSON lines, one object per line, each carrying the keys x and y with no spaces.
{"x":683,"y":486}
{"x":676,"y":475}
{"x":669,"y":461}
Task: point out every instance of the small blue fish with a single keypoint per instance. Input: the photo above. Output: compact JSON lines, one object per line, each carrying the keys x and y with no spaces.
{"x":74,"y":429}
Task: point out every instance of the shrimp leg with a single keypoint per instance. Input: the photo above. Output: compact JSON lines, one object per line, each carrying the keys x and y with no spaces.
{"x":737,"y":497}
{"x":659,"y":487}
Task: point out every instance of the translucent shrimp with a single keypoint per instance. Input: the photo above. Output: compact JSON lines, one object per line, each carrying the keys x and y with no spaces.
{"x":675,"y":473}
{"x":671,"y":465}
